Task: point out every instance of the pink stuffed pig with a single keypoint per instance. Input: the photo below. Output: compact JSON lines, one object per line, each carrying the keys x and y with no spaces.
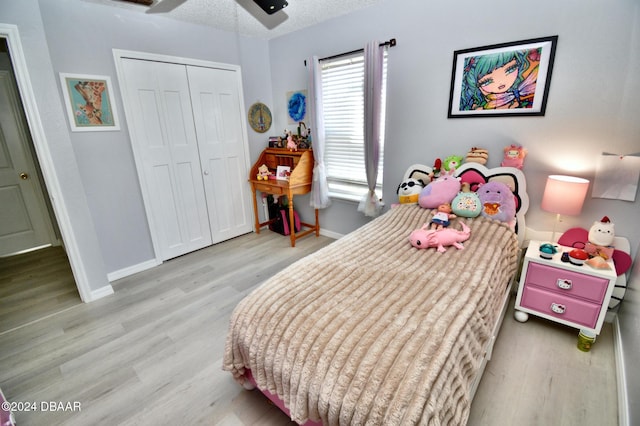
{"x":441,"y":191}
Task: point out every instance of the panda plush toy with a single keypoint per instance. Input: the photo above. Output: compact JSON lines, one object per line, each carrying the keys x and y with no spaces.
{"x":409,"y":190}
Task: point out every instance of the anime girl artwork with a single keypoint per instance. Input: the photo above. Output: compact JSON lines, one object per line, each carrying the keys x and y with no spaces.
{"x":503,"y":80}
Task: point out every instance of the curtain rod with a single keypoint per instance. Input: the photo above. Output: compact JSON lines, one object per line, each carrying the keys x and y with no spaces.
{"x":390,"y":43}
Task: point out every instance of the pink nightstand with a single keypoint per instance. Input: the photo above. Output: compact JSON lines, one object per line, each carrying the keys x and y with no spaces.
{"x":577,"y":296}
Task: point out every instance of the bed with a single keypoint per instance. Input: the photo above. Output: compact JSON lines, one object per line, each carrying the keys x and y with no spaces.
{"x":370,"y":330}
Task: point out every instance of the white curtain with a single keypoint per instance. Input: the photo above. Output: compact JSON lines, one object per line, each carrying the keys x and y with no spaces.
{"x":319,"y":188}
{"x":373,"y":57}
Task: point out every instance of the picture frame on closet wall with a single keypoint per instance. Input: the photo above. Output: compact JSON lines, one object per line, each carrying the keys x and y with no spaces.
{"x":89,"y":102}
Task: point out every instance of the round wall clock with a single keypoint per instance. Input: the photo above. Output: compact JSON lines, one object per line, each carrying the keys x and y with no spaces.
{"x":259,"y":117}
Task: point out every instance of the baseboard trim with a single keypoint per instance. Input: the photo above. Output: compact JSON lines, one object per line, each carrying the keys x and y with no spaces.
{"x":330,"y":234}
{"x":623,"y":402}
{"x":133,"y":269}
{"x":107,"y":290}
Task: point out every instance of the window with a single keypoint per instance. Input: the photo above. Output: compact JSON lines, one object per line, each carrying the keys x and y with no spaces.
{"x":343,"y":110}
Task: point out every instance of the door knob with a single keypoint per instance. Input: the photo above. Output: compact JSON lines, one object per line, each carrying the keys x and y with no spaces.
{"x":24,"y":176}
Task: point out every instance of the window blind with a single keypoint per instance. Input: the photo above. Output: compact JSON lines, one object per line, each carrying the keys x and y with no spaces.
{"x":343,"y":110}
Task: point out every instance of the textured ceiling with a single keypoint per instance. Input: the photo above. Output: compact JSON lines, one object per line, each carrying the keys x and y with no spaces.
{"x":245,"y":17}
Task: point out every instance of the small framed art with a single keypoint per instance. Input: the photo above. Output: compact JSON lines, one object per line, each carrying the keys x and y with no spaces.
{"x":283,"y":172}
{"x":89,"y":102}
{"x":502,"y":79}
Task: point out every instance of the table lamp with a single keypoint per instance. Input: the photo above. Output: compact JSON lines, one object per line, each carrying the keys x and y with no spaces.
{"x":564,"y":195}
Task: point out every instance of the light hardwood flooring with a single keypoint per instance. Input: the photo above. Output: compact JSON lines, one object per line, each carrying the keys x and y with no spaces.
{"x":151,"y":353}
{"x":35,"y":285}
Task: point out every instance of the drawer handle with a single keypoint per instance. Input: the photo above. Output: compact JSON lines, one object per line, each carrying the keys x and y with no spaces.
{"x":564,"y":284}
{"x":558,"y":308}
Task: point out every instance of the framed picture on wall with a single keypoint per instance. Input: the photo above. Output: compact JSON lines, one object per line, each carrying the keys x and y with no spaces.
{"x":502,"y":79}
{"x":89,"y":102}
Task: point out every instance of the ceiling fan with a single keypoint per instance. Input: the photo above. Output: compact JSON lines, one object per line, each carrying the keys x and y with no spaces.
{"x":164,"y":6}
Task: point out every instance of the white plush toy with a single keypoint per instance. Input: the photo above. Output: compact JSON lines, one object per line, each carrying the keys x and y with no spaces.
{"x":409,"y":190}
{"x":602,"y":232}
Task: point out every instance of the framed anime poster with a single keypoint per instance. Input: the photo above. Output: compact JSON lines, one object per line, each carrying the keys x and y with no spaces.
{"x":502,"y":79}
{"x":89,"y":102}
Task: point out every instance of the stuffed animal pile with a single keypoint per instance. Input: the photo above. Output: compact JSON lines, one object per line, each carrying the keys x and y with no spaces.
{"x":444,"y":193}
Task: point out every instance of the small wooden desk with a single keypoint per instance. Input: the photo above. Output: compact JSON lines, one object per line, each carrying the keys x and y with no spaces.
{"x":301,"y":163}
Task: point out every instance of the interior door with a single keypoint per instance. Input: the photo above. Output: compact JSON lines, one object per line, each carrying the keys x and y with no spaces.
{"x":215,"y":97}
{"x":24,"y":220}
{"x":165,"y":140}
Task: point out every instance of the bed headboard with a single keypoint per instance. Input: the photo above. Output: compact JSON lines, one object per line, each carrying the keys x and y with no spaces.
{"x":475,"y":174}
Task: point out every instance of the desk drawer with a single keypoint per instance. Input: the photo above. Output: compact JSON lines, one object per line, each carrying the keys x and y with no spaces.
{"x":560,"y":306}
{"x":269,"y":189}
{"x":567,"y":282}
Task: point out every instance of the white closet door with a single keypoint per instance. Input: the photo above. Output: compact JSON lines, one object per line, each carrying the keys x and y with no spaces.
{"x":215,"y":96}
{"x":165,"y":140}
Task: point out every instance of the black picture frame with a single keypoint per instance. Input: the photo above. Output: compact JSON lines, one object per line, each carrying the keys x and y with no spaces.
{"x":484,"y":82}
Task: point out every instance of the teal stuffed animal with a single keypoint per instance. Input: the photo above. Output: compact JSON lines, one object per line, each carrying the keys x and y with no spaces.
{"x":466,"y":203}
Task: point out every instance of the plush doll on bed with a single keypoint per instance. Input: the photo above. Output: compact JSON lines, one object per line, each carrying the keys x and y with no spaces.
{"x":452,"y":162}
{"x":477,"y":155}
{"x":441,"y":217}
{"x":466,"y":203}
{"x":514,"y":156}
{"x":497,"y":201}
{"x":424,"y":238}
{"x":440,"y":191}
{"x":409,"y":190}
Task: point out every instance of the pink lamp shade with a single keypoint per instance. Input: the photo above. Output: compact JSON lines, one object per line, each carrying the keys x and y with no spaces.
{"x":564,"y":195}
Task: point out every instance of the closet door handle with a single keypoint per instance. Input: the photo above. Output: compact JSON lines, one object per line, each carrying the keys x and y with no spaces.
{"x":206,"y":173}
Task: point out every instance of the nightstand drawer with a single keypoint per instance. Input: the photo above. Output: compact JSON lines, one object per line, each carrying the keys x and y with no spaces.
{"x":560,"y":306}
{"x":567,"y":282}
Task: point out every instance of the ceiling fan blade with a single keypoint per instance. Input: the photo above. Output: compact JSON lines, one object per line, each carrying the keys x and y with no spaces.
{"x":269,"y":21}
{"x":165,"y":6}
{"x":143,"y":2}
{"x":271,"y":6}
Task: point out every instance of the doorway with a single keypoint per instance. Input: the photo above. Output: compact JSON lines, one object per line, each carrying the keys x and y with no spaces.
{"x":29,"y":236}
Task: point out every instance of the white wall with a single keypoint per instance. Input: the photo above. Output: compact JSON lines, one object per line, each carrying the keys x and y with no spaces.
{"x":60,"y":166}
{"x":590,"y":106}
{"x":81,"y":36}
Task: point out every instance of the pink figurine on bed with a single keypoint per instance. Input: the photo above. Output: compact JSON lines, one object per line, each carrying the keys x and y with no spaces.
{"x":425,"y":238}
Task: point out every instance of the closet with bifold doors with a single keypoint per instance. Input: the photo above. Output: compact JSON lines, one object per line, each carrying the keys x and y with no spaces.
{"x":190,"y":146}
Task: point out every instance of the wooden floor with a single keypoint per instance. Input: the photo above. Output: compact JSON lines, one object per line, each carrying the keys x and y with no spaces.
{"x":35,"y":285}
{"x":151,"y":353}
